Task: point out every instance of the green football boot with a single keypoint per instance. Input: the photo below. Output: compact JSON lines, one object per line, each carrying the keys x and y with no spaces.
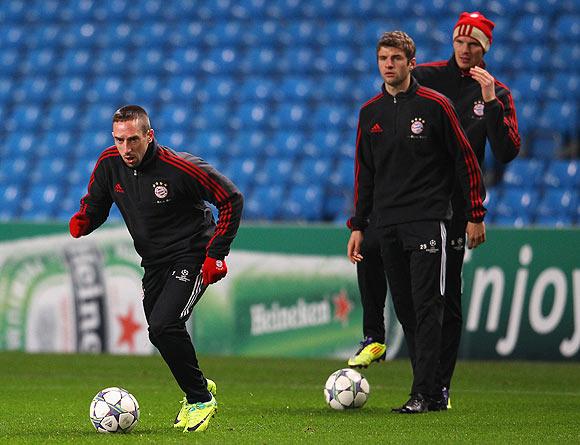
{"x":199,"y":415}
{"x":181,"y":418}
{"x":369,"y":351}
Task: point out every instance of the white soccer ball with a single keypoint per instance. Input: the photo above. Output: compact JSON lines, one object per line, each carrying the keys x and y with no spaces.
{"x":346,"y":389}
{"x":114,"y":410}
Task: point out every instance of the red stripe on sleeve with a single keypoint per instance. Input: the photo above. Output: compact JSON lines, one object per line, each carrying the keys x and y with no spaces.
{"x":194,"y":171}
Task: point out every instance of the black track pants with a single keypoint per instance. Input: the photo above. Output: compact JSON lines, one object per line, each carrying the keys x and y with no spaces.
{"x":414,"y":258}
{"x":170,"y":292}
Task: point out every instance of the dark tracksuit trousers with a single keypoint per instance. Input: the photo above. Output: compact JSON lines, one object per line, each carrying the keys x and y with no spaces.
{"x":170,"y":292}
{"x":414,"y":258}
{"x":373,"y":290}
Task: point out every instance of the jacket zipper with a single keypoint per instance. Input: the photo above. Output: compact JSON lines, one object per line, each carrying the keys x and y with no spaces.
{"x":395,"y":116}
{"x":135,"y":173}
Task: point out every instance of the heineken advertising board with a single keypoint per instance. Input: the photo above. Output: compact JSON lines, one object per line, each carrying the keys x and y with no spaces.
{"x":290,"y":291}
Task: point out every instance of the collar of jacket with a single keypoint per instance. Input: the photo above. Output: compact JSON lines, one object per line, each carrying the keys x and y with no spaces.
{"x":150,"y":155}
{"x":403,"y":94}
{"x":452,"y":63}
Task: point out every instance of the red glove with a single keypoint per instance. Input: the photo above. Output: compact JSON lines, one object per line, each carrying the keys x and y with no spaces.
{"x":79,"y":225}
{"x":213,"y":270}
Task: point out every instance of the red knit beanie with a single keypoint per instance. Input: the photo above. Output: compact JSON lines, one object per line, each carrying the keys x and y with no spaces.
{"x":475,"y":25}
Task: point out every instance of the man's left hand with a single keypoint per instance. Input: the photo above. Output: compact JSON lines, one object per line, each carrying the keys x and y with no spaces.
{"x":213,"y":270}
{"x":486,"y":81}
{"x":475,"y":234}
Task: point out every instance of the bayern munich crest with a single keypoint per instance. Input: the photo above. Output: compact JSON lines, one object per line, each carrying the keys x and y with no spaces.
{"x":160,"y":189}
{"x":417,"y":125}
{"x":478,"y":107}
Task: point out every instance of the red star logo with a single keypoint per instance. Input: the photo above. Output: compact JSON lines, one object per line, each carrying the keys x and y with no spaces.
{"x":129,"y":328}
{"x":342,"y":307}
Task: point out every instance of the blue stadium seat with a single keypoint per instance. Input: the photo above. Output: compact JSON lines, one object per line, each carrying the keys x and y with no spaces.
{"x":39,"y":204}
{"x":563,"y":174}
{"x":257,"y":89}
{"x":546,"y":146}
{"x":174,"y":116}
{"x":524,"y":172}
{"x":275,"y":172}
{"x":561,"y":116}
{"x":107,"y":89}
{"x":10,"y":199}
{"x":531,"y":28}
{"x":252,"y":116}
{"x":565,"y":56}
{"x":71,"y":89}
{"x":296,"y":60}
{"x":567,"y":28}
{"x":185,"y":60}
{"x":343,"y":174}
{"x":223,"y":34}
{"x":285,"y":144}
{"x":295,"y":89}
{"x":184,"y":88}
{"x":558,"y":201}
{"x":292,"y":115}
{"x":303,"y":203}
{"x":143,"y":89}
{"x":334,"y":116}
{"x":492,"y":196}
{"x":153,"y":61}
{"x":184,"y":32}
{"x":219,"y":88}
{"x":527,"y":113}
{"x":63,"y":116}
{"x":308,"y":169}
{"x":12,"y":35}
{"x":517,"y":202}
{"x":33,"y":90}
{"x":49,"y":170}
{"x":23,"y":147}
{"x":63,"y":142}
{"x":259,"y":60}
{"x":221,"y":61}
{"x":528,"y":86}
{"x":91,"y":144}
{"x":336,"y":33}
{"x":6,"y":88}
{"x":268,"y":32}
{"x":558,"y":221}
{"x":264,"y":203}
{"x":515,"y":221}
{"x":25,"y":117}
{"x":10,"y":60}
{"x":210,"y":143}
{"x":242,"y":172}
{"x":337,"y":207}
{"x":250,"y":143}
{"x":564,"y":85}
{"x":529,"y":58}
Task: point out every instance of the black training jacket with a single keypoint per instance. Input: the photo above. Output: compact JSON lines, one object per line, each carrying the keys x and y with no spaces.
{"x":409,"y":150}
{"x":495,"y":120}
{"x":163,"y":204}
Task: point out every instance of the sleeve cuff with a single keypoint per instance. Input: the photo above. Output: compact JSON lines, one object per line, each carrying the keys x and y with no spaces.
{"x":357,"y":223}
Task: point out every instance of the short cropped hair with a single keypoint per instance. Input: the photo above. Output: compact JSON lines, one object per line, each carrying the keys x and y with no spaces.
{"x":131,"y":113}
{"x":400,"y":40}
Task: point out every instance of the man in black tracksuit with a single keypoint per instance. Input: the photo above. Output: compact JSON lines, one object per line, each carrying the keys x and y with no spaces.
{"x":410,"y":151}
{"x":486,"y":110}
{"x":161,"y":195}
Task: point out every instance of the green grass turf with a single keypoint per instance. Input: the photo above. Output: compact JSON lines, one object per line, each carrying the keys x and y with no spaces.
{"x":45,"y":399}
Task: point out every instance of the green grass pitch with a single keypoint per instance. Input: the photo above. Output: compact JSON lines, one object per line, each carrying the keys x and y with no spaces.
{"x":45,"y":399}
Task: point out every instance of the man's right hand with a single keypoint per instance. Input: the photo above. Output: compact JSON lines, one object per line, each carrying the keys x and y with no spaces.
{"x":79,"y":225}
{"x":353,"y":247}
